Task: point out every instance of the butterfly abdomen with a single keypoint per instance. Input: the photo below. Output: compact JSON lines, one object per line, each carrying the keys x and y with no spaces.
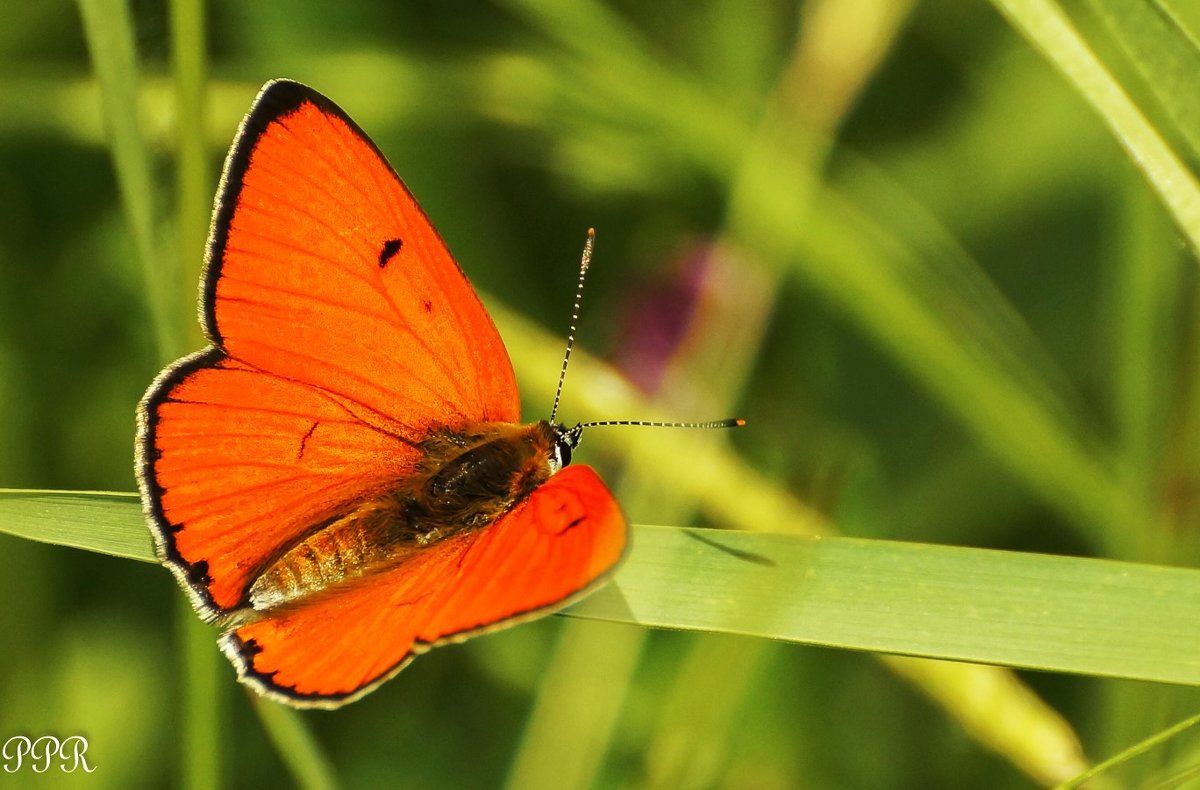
{"x":466,"y":480}
{"x":344,"y":548}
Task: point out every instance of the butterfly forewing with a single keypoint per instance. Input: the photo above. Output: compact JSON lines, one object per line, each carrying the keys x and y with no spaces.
{"x":326,"y":271}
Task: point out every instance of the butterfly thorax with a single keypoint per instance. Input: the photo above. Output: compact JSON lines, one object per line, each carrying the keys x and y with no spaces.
{"x":466,"y":479}
{"x":473,"y":477}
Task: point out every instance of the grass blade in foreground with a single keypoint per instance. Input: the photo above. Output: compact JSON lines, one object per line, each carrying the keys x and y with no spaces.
{"x":1066,"y":614}
{"x":1095,"y":617}
{"x":104,"y":522}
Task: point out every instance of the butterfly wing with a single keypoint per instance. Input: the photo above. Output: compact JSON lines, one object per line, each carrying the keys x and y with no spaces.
{"x":342,"y":331}
{"x":558,"y":543}
{"x":324,"y":270}
{"x":240,"y":462}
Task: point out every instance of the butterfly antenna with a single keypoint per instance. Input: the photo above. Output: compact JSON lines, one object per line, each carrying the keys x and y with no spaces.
{"x":732,"y":423}
{"x":575,"y":432}
{"x":583,"y":267}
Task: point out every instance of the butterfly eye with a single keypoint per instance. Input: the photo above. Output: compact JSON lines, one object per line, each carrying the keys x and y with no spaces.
{"x":564,"y":442}
{"x":562,"y":455}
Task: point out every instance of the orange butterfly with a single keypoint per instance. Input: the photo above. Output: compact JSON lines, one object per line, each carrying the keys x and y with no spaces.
{"x":340,"y":480}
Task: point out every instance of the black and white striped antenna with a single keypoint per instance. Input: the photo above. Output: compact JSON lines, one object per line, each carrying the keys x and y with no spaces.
{"x":586,"y":261}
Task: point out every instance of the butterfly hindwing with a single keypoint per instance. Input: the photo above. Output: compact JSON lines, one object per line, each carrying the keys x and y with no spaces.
{"x":561,"y":541}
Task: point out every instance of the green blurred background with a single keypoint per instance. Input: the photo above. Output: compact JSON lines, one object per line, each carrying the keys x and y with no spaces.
{"x":785,"y":195}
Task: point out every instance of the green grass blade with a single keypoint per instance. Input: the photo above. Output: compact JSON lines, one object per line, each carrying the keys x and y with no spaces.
{"x":109,"y":523}
{"x":1145,"y":304}
{"x":693,"y":742}
{"x":1096,"y":617}
{"x":1165,"y":54}
{"x":110,"y":37}
{"x":1065,"y":614}
{"x":1133,"y":751}
{"x":205,"y":689}
{"x":1049,"y":30}
{"x":193,"y":187}
{"x":294,"y":742}
{"x":572,"y":718}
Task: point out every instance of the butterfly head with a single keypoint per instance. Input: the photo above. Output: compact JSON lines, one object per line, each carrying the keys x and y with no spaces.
{"x":565,"y":440}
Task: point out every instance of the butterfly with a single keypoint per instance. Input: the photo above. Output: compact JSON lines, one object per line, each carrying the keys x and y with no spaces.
{"x":340,"y":480}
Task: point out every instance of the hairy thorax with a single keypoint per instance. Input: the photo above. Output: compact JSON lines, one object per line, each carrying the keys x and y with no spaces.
{"x":466,"y":479}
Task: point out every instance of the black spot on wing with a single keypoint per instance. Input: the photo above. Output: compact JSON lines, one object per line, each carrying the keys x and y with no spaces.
{"x":389,"y":250}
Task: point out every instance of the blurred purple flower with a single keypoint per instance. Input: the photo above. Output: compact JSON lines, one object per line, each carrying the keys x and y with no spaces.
{"x":658,"y":315}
